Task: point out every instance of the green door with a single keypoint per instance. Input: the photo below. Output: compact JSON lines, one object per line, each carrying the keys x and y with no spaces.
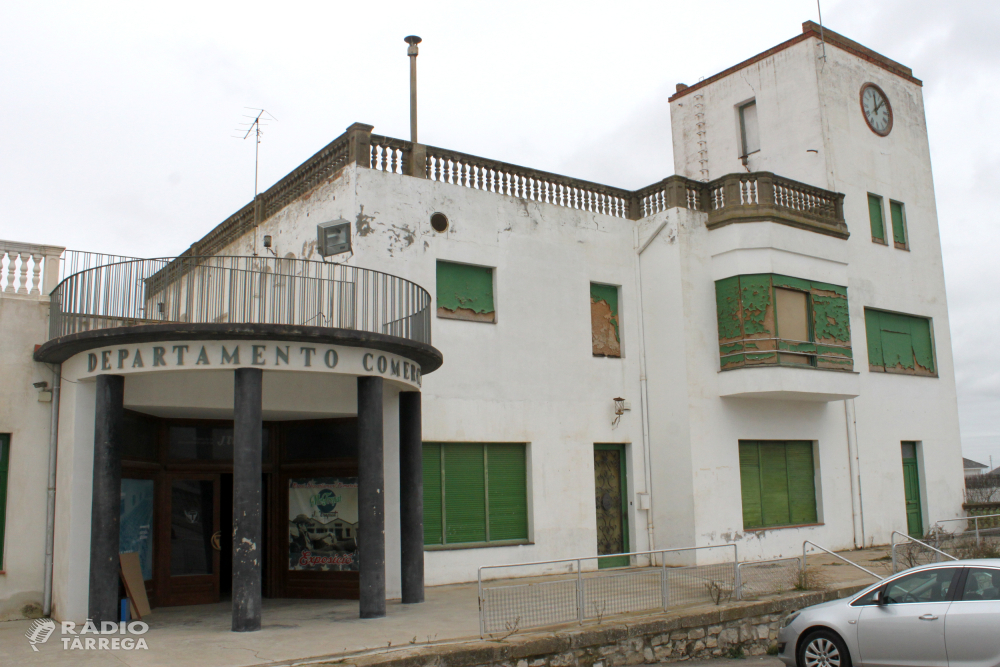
{"x":911,"y":486}
{"x":610,"y":494}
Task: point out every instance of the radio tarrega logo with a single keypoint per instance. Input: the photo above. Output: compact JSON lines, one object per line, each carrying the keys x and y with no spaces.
{"x":40,"y":631}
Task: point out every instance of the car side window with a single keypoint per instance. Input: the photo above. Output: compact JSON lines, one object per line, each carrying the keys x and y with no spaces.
{"x":983,"y":583}
{"x":869,"y":598}
{"x":926,"y":586}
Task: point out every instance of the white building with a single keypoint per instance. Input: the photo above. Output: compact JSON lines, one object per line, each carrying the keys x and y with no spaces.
{"x":622,"y":371}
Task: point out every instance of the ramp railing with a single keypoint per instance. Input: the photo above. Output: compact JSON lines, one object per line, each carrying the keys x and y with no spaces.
{"x":560,"y":591}
{"x":991,"y":522}
{"x":807,"y":544}
{"x":894,"y":544}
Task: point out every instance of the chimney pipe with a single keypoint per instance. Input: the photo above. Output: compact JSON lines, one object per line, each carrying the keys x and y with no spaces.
{"x":413,"y":51}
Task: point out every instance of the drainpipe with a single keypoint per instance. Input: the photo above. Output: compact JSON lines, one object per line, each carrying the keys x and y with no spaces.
{"x":50,"y":510}
{"x":643,"y":393}
{"x":854,"y":464}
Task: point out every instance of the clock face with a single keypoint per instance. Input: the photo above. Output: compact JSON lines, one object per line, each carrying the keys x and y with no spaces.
{"x":876,"y":109}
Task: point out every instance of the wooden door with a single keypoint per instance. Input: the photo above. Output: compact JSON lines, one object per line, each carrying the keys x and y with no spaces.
{"x":190,"y":539}
{"x":612,"y":509}
{"x":911,"y":486}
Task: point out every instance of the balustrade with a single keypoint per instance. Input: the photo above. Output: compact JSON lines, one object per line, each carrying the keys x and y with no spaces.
{"x":28,"y":270}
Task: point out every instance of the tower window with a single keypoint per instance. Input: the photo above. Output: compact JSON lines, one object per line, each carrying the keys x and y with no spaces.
{"x":749,"y":136}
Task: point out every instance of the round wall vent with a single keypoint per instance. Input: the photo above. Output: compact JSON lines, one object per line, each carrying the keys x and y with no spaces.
{"x":439,"y":221}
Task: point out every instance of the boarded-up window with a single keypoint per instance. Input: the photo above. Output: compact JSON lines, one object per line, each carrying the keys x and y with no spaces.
{"x":899,"y":236}
{"x":750,"y":138}
{"x":899,"y":343}
{"x":465,"y":292}
{"x":777,"y":480}
{"x":604,"y":328}
{"x":475,"y":493}
{"x":875,"y":217}
{"x":792,"y":313}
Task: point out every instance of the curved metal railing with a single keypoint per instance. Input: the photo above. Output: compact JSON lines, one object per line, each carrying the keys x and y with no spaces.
{"x":241,"y":290}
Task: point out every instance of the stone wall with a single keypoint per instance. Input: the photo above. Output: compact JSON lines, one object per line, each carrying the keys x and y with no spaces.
{"x":747,"y":628}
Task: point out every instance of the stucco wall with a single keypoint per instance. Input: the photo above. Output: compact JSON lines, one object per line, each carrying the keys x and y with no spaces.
{"x":24,"y":324}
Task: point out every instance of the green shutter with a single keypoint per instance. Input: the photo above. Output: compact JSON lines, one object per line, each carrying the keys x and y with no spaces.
{"x":4,"y":468}
{"x":432,"y":493}
{"x":609,"y":295}
{"x":875,"y":215}
{"x":507,"y":482}
{"x":801,"y":482}
{"x":774,"y":484}
{"x":464,"y":493}
{"x":920,"y":337}
{"x":897,"y":343}
{"x":464,"y":286}
{"x":750,"y":484}
{"x":873,"y":333}
{"x":898,"y":226}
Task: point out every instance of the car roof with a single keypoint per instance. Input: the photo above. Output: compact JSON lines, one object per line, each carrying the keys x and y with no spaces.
{"x":990,"y":562}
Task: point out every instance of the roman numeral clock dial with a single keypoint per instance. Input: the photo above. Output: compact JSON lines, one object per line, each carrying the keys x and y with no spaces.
{"x":876,"y":109}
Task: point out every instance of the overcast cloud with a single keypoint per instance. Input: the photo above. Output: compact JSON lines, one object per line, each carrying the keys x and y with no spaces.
{"x":116,"y":120}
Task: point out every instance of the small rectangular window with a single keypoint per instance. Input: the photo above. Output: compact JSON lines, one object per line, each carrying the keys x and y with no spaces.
{"x":475,"y":493}
{"x":899,"y":343}
{"x":465,"y":292}
{"x":876,"y":218}
{"x":778,"y":483}
{"x":4,"y":470}
{"x":792,"y":312}
{"x":604,"y":328}
{"x":899,"y":236}
{"x":748,"y":128}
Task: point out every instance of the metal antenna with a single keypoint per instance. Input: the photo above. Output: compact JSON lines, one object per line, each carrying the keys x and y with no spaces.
{"x":413,"y":51}
{"x":255,"y":125}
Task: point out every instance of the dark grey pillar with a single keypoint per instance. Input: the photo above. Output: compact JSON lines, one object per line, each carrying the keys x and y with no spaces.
{"x":105,"y":510}
{"x":371,"y":497}
{"x":247,"y":545}
{"x":411,"y":497}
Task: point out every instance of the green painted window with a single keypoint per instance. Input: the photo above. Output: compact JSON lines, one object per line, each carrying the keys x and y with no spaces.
{"x":899,"y":343}
{"x":4,"y":469}
{"x":899,"y":236}
{"x":475,"y":493}
{"x":605,"y":334}
{"x":465,"y":292}
{"x":777,"y":480}
{"x":875,"y":216}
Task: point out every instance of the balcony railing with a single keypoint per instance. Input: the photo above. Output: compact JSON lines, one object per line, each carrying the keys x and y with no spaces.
{"x":240,"y":290}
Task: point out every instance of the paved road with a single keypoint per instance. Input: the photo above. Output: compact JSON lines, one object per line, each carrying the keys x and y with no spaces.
{"x":752,"y":661}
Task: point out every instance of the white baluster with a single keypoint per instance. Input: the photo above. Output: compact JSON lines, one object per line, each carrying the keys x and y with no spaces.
{"x":36,"y":273}
{"x":11,"y":269}
{"x":22,"y":282}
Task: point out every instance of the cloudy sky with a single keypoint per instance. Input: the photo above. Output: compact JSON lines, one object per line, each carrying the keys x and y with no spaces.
{"x":116,"y":120}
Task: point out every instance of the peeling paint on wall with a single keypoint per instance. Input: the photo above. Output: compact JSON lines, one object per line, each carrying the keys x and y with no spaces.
{"x":899,"y":343}
{"x":362,"y":225}
{"x":606,"y":338}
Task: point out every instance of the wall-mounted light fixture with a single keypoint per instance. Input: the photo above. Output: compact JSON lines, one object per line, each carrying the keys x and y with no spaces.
{"x":267,"y":244}
{"x":44,"y":393}
{"x":619,"y":410}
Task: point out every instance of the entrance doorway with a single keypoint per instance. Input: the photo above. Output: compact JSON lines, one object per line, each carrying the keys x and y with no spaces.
{"x":610,"y":494}
{"x":911,"y":488}
{"x":177,"y":508}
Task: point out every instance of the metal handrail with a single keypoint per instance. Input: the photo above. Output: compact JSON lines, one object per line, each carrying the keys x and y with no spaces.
{"x":240,"y":290}
{"x":825,"y":550}
{"x":579,"y":573}
{"x":894,"y":544}
{"x":975,"y":518}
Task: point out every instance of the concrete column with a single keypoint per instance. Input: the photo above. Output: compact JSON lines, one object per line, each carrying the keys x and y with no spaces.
{"x":247,"y":544}
{"x":411,"y":497}
{"x":371,"y":497}
{"x":105,"y":508}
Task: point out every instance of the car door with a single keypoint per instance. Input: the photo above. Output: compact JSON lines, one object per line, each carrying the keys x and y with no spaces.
{"x":972,"y":628}
{"x":906,"y":628}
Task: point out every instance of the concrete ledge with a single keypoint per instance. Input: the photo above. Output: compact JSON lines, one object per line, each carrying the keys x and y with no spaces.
{"x":624,"y":641}
{"x":788,"y":383}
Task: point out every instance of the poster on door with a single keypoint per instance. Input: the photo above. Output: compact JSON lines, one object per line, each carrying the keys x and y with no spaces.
{"x":323,"y":524}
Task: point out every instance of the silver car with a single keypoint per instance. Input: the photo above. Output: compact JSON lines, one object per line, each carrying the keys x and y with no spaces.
{"x":941,"y":614}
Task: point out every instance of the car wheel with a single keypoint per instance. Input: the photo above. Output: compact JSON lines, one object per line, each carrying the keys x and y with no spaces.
{"x":823,"y":648}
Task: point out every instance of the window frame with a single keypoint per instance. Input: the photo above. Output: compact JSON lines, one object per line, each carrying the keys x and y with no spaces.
{"x":811,"y":357}
{"x":816,"y":486}
{"x":745,"y":151}
{"x":453,"y":315}
{"x":444,"y":545}
{"x":881,"y":211}
{"x":616,"y":315}
{"x":905,"y":245}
